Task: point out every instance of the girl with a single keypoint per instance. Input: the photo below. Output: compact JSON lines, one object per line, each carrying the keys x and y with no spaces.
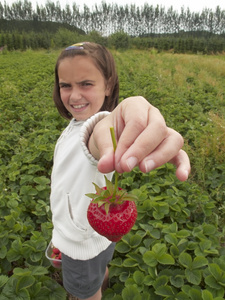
{"x":86,"y":91}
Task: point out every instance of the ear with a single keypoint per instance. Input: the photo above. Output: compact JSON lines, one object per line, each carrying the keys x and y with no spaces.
{"x":108,"y":87}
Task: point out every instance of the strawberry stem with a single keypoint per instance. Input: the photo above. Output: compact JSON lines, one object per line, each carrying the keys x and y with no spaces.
{"x":114,"y":147}
{"x":113,"y":138}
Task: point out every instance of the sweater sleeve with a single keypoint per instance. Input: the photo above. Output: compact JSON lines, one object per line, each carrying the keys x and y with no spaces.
{"x":86,"y":131}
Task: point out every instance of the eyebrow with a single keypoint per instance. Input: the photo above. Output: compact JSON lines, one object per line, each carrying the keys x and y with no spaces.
{"x":62,"y":82}
{"x":78,"y":82}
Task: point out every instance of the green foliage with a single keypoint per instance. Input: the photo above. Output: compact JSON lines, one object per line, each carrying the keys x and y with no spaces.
{"x":35,"y":26}
{"x":65,"y":37}
{"x":119,"y":40}
{"x":29,"y":128}
{"x":21,"y":35}
{"x":175,"y":250}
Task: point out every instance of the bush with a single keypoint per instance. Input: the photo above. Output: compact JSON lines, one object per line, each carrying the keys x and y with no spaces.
{"x":119,"y":40}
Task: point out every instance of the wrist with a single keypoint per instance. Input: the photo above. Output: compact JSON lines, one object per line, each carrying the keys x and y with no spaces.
{"x":86,"y":132}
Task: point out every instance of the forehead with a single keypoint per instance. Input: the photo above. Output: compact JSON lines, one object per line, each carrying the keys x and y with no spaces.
{"x":77,"y":65}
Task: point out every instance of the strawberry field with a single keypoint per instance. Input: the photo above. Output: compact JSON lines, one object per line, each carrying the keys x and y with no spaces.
{"x":176,"y":248}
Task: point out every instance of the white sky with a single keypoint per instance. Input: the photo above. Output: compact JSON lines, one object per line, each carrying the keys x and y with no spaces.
{"x":194,"y":5}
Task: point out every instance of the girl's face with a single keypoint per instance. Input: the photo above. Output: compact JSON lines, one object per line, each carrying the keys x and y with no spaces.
{"x":82,"y":86}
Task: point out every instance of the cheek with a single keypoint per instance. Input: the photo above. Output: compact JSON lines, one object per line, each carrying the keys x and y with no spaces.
{"x":63,"y":96}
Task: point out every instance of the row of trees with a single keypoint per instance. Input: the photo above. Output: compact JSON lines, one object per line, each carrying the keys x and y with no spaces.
{"x":110,"y":18}
{"x":120,"y":40}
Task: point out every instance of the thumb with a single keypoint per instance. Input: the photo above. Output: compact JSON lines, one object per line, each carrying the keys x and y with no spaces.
{"x":102,"y":141}
{"x":106,"y":162}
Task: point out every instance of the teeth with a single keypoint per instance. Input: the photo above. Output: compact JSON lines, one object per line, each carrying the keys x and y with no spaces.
{"x":78,"y":106}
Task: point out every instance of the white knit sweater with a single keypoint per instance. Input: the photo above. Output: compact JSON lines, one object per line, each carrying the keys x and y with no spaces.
{"x":74,"y":171}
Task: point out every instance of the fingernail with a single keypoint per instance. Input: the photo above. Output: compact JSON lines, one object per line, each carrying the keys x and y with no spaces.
{"x":149,"y":165}
{"x":131,"y":162}
{"x":186,"y":174}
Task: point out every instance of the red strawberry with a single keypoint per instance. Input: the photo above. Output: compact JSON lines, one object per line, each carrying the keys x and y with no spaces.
{"x":112,"y":212}
{"x":55,"y":250}
{"x":56,"y":256}
{"x":57,"y":263}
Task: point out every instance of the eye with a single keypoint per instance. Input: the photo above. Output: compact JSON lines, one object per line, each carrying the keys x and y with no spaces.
{"x":64,"y":85}
{"x":86,"y":83}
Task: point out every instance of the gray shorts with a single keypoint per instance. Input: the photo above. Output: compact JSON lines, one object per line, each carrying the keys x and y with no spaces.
{"x":83,"y":278}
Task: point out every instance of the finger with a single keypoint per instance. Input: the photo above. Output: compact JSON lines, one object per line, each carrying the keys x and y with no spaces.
{"x":164,"y":153}
{"x":182,"y":163}
{"x":139,"y":138}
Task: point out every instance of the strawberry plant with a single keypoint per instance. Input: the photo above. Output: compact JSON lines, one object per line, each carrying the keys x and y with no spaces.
{"x":174,"y":250}
{"x":179,"y":225}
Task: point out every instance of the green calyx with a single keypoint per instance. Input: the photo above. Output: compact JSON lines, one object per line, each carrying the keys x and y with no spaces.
{"x":110,"y":195}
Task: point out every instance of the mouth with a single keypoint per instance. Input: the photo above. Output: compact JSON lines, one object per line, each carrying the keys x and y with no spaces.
{"x":79,"y":106}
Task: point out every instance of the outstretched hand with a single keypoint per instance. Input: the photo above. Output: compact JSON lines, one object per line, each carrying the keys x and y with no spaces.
{"x":143,"y":140}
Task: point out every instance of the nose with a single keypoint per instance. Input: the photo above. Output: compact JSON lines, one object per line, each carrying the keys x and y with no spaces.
{"x":75,"y":94}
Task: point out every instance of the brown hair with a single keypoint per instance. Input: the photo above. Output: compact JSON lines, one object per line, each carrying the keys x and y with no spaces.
{"x":104,"y":61}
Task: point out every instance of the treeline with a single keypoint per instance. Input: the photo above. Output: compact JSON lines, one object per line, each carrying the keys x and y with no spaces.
{"x":185,"y":43}
{"x":110,"y":18}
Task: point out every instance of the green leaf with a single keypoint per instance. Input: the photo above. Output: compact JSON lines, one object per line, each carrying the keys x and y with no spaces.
{"x":38,"y":271}
{"x":122,"y":247}
{"x":24,"y":282}
{"x":150,"y":259}
{"x":161,"y":281}
{"x":3,"y":280}
{"x":215,"y":271}
{"x":21,"y":272}
{"x":57,"y":294}
{"x":177,"y":281}
{"x":199,"y":262}
{"x":159,"y":249}
{"x":3,"y":252}
{"x":186,"y":260}
{"x":171,"y":238}
{"x":129,"y":262}
{"x":195,"y":294}
{"x":42,"y":180}
{"x":165,"y":259}
{"x":174,"y":251}
{"x":136,"y":257}
{"x":123,"y":276}
{"x":138,"y":277}
{"x":116,"y":262}
{"x":212,"y":282}
{"x":193,"y":276}
{"x":182,"y":296}
{"x":164,"y":291}
{"x":135,"y":240}
{"x":155,"y":233}
{"x":183,"y":233}
{"x":209,"y":229}
{"x":148,"y":280}
{"x":206,"y":295}
{"x":156,"y":189}
{"x":131,"y":293}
